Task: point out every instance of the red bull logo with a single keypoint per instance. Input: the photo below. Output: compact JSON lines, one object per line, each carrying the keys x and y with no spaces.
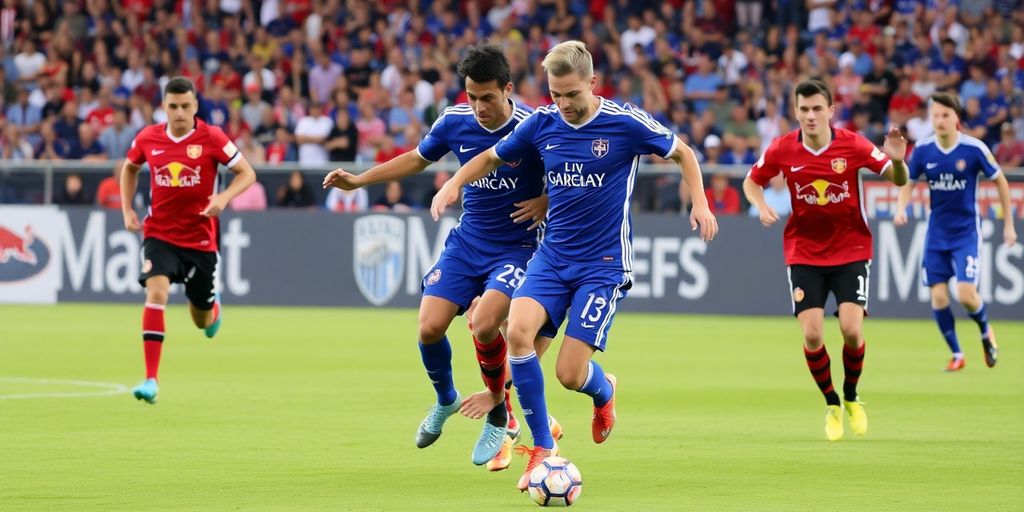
{"x":176,"y":174}
{"x":822,"y":192}
{"x":22,"y":255}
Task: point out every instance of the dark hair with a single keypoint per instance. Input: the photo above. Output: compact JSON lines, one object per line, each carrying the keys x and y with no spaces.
{"x":180,"y":85}
{"x":485,"y":62}
{"x":813,"y":86}
{"x":948,"y":100}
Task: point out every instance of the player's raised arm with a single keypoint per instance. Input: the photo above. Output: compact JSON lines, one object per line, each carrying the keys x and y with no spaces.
{"x":895,"y":147}
{"x":480,"y":166}
{"x":129,"y":183}
{"x":402,"y":166}
{"x":700,"y":215}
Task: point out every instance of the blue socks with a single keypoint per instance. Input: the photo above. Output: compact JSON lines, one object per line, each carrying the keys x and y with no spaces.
{"x":437,"y":359}
{"x":947,"y":326}
{"x":981,"y":318}
{"x":529,"y":381}
{"x":597,"y":386}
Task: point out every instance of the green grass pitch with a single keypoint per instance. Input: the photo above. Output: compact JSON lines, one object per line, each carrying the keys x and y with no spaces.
{"x":315,"y":409}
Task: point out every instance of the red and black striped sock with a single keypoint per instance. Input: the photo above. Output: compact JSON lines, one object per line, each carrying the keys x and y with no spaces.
{"x":152,"y":336}
{"x":492,"y":363}
{"x":853,"y":363}
{"x":819,"y":364}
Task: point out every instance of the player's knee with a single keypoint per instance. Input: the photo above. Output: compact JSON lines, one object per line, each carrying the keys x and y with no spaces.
{"x":485,"y":329}
{"x":851,"y":333}
{"x":813,"y":337}
{"x":940,"y":299}
{"x":570,"y":377}
{"x":969,"y":298}
{"x":431,"y":330}
{"x":157,"y":295}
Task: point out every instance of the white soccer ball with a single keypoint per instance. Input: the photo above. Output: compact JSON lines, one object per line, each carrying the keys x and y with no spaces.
{"x":556,"y":482}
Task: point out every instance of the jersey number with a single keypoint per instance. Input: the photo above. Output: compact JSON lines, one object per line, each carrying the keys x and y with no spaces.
{"x":599,"y":303}
{"x":516,"y":273}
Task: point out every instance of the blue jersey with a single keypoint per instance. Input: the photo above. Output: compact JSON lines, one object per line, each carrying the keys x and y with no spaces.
{"x":591,"y":169}
{"x":488,"y":202}
{"x":952,"y":182}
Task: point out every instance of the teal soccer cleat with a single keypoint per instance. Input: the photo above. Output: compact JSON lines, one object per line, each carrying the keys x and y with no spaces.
{"x":147,"y":391}
{"x":211,"y":331}
{"x":430,"y":428}
{"x":489,"y":443}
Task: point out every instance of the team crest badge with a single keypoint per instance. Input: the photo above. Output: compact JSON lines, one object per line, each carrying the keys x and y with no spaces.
{"x":434,"y":277}
{"x":961,"y":165}
{"x":839,"y":165}
{"x":378,"y":257}
{"x":798,"y":294}
{"x":194,"y":151}
{"x":599,"y":148}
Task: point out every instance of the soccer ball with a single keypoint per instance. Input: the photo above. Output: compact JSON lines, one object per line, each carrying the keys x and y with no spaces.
{"x":555,"y":483}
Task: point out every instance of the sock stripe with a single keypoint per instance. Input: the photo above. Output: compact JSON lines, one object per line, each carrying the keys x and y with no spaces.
{"x":522,"y":359}
{"x":493,"y":373}
{"x":152,"y":305}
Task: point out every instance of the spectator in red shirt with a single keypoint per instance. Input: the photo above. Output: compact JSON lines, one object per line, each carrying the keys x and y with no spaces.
{"x":108,"y":195}
{"x":723,"y":198}
{"x":1010,"y":151}
{"x":903,"y":104}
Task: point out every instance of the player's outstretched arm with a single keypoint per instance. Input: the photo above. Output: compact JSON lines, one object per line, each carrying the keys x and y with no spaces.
{"x":895,"y":147}
{"x":129,"y":183}
{"x":480,"y":166}
{"x":245,"y":176}
{"x":402,"y":166}
{"x":700,"y":215}
{"x":899,"y":217}
{"x":1003,"y":188}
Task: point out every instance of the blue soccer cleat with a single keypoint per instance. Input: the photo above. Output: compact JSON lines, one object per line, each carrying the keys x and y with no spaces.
{"x":147,"y":391}
{"x":430,"y":428}
{"x":211,"y":331}
{"x":489,"y":444}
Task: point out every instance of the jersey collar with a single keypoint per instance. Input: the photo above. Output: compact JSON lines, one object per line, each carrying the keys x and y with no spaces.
{"x":511,"y":116}
{"x":800,"y":139}
{"x":597,"y":111}
{"x":946,"y":151}
{"x":176,"y":140}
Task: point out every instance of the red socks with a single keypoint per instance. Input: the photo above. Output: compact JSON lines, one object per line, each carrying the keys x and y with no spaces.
{"x":152,"y":336}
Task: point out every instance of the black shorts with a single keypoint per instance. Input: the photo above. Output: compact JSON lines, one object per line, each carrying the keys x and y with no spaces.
{"x":810,"y":284}
{"x":195,"y":269}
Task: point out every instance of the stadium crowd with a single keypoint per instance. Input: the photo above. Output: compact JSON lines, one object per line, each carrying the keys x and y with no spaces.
{"x":314,"y":82}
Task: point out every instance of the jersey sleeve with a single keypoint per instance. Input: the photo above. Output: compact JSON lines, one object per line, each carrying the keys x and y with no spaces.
{"x":647,"y":136}
{"x":870,"y":156}
{"x":136,"y":153}
{"x":988,"y":164}
{"x":519,"y":141}
{"x":224,"y":151}
{"x":435,"y":146}
{"x":766,"y":167}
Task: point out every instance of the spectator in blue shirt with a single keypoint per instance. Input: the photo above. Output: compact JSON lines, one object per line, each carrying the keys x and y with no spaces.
{"x":701,"y":86}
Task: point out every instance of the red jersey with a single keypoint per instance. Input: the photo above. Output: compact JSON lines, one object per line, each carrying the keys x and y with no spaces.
{"x":183,"y":175}
{"x":828,"y":225}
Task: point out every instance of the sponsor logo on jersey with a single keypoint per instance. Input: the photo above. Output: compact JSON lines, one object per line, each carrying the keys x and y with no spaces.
{"x":378,"y":257}
{"x":177,"y":174}
{"x":822,"y":192}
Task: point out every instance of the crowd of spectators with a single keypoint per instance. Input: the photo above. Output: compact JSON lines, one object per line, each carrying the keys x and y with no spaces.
{"x":320,"y":81}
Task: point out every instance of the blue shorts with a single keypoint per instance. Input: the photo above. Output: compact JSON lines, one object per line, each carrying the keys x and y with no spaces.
{"x":589,"y":295}
{"x":938,"y":266}
{"x":467,"y":269}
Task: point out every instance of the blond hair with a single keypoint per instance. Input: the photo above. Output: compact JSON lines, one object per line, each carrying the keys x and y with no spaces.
{"x":568,"y":57}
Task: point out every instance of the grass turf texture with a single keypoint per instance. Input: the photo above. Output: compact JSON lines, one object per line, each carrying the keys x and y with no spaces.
{"x":315,"y":409}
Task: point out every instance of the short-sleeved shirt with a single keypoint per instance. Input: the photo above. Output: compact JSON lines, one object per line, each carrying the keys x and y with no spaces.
{"x":183,"y":177}
{"x":952,"y":176}
{"x":828,"y":225}
{"x":591,"y":169}
{"x":488,"y":202}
